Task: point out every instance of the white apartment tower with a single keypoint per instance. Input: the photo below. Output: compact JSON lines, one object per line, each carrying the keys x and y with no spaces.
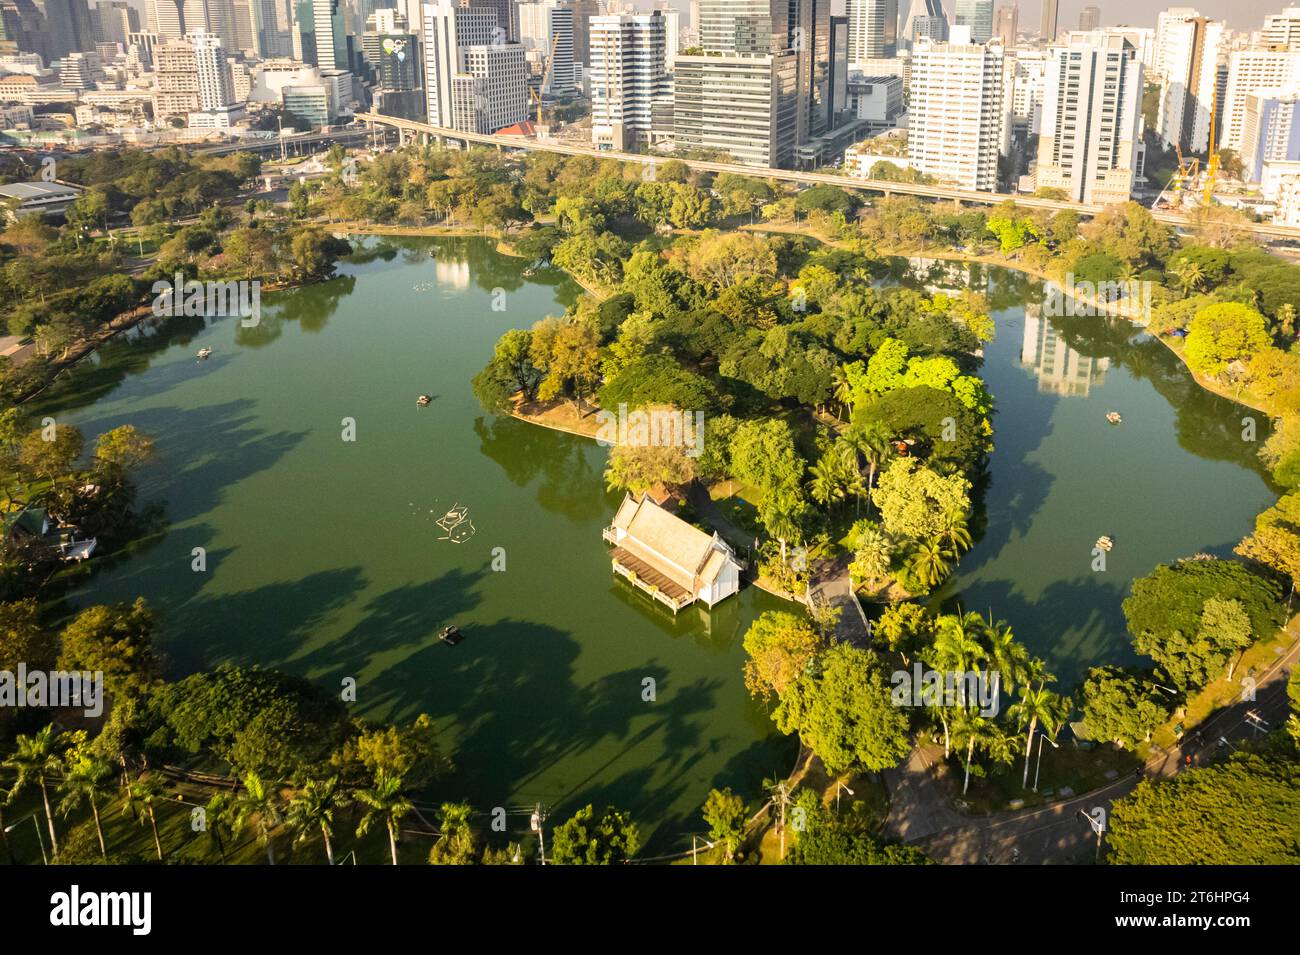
{"x":214,"y":75}
{"x":1090,"y":140}
{"x":957,"y":113}
{"x":1248,"y":72}
{"x":1282,"y":30}
{"x":627,"y":77}
{"x":1187,"y":54}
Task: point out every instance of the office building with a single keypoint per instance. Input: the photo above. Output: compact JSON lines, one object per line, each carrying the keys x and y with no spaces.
{"x":69,"y":27}
{"x":1272,"y":130}
{"x":1047,"y":20}
{"x":1089,"y":19}
{"x":976,"y":14}
{"x":925,"y":18}
{"x":1028,"y":82}
{"x":627,"y":77}
{"x":473,"y":80}
{"x":1090,"y":140}
{"x":1282,"y":30}
{"x":1005,"y":25}
{"x":873,"y":29}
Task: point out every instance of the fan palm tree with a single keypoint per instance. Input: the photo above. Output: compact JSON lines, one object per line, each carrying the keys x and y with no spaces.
{"x":313,"y":807}
{"x":1036,"y":706}
{"x":930,"y":562}
{"x":36,"y":758}
{"x":384,"y":800}
{"x":956,"y":534}
{"x":141,"y":797}
{"x":261,"y":802}
{"x":872,"y":554}
{"x":85,"y":778}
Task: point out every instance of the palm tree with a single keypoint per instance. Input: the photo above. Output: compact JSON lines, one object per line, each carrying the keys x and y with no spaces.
{"x":843,"y":391}
{"x":874,"y":444}
{"x":141,"y":797}
{"x":958,"y":647}
{"x":387,"y":801}
{"x":1035,"y":706}
{"x":1190,"y":275}
{"x":1009,"y":658}
{"x":828,"y":485}
{"x":930,"y":562}
{"x":261,"y":801}
{"x":872,"y":555}
{"x":456,"y":844}
{"x":313,"y":807}
{"x":217,"y":815}
{"x":36,"y":758}
{"x":974,"y":727}
{"x":86,"y":777}
{"x":956,"y":533}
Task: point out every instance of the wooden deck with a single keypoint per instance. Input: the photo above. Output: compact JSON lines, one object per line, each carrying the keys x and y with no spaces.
{"x":654,"y":583}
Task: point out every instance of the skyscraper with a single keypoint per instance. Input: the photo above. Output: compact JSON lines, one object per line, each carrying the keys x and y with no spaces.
{"x":1089,"y":143}
{"x":213,"y":74}
{"x":925,"y":18}
{"x":1006,"y":24}
{"x":68,"y":23}
{"x":560,"y":51}
{"x":873,"y":29}
{"x":1188,"y":51}
{"x":1089,"y":18}
{"x":330,"y":36}
{"x":1047,"y":19}
{"x":957,"y":112}
{"x":627,"y":78}
{"x":1282,"y":30}
{"x":978,"y":15}
{"x":473,"y":81}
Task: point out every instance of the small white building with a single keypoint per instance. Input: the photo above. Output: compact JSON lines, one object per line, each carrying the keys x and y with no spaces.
{"x":670,"y":559}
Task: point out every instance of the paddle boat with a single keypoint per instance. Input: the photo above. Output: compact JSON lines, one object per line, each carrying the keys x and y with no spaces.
{"x":451,"y":635}
{"x":1105,"y":543}
{"x":1113,"y":417}
{"x":204,"y":353}
{"x":423,"y":400}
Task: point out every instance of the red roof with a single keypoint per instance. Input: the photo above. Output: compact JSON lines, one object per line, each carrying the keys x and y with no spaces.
{"x":526,"y":128}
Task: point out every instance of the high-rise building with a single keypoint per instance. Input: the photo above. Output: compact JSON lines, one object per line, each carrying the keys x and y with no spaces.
{"x":271,"y":25}
{"x":1090,"y":141}
{"x":978,"y":15}
{"x":1272,"y":130}
{"x":925,"y":18}
{"x":330,"y":35}
{"x":583,"y":11}
{"x":1248,"y":72}
{"x":69,"y":26}
{"x":1089,"y":18}
{"x":1006,"y":25}
{"x":744,"y":103}
{"x":559,"y":49}
{"x":1282,"y":30}
{"x":839,"y":70}
{"x":214,"y":75}
{"x":1188,"y":52}
{"x":116,"y":21}
{"x":472,"y":79}
{"x":176,"y":79}
{"x":1047,"y":19}
{"x":957,"y":112}
{"x":1028,"y":83}
{"x":507,"y":17}
{"x":627,"y":78}
{"x":873,"y":29}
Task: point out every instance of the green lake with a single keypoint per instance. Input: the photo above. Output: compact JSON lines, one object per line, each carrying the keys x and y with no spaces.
{"x":325,"y":558}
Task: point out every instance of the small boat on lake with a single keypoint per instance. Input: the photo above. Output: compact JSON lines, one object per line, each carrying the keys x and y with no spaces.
{"x":204,"y":353}
{"x":1113,"y":417}
{"x":451,"y":635}
{"x":423,"y":400}
{"x":1105,"y":542}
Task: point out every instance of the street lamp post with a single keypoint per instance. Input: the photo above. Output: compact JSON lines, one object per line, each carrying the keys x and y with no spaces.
{"x":840,"y":786}
{"x":13,"y":825}
{"x":1039,"y":768}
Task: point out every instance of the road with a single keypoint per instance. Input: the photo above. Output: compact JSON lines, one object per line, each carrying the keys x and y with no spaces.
{"x":1060,"y":833}
{"x":1175,"y":219}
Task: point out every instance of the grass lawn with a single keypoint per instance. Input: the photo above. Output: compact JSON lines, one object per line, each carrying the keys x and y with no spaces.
{"x":1069,"y":766}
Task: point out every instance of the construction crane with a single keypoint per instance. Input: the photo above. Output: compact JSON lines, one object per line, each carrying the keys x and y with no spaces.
{"x":546,"y":81}
{"x":1185,"y":177}
{"x":1212,"y":160}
